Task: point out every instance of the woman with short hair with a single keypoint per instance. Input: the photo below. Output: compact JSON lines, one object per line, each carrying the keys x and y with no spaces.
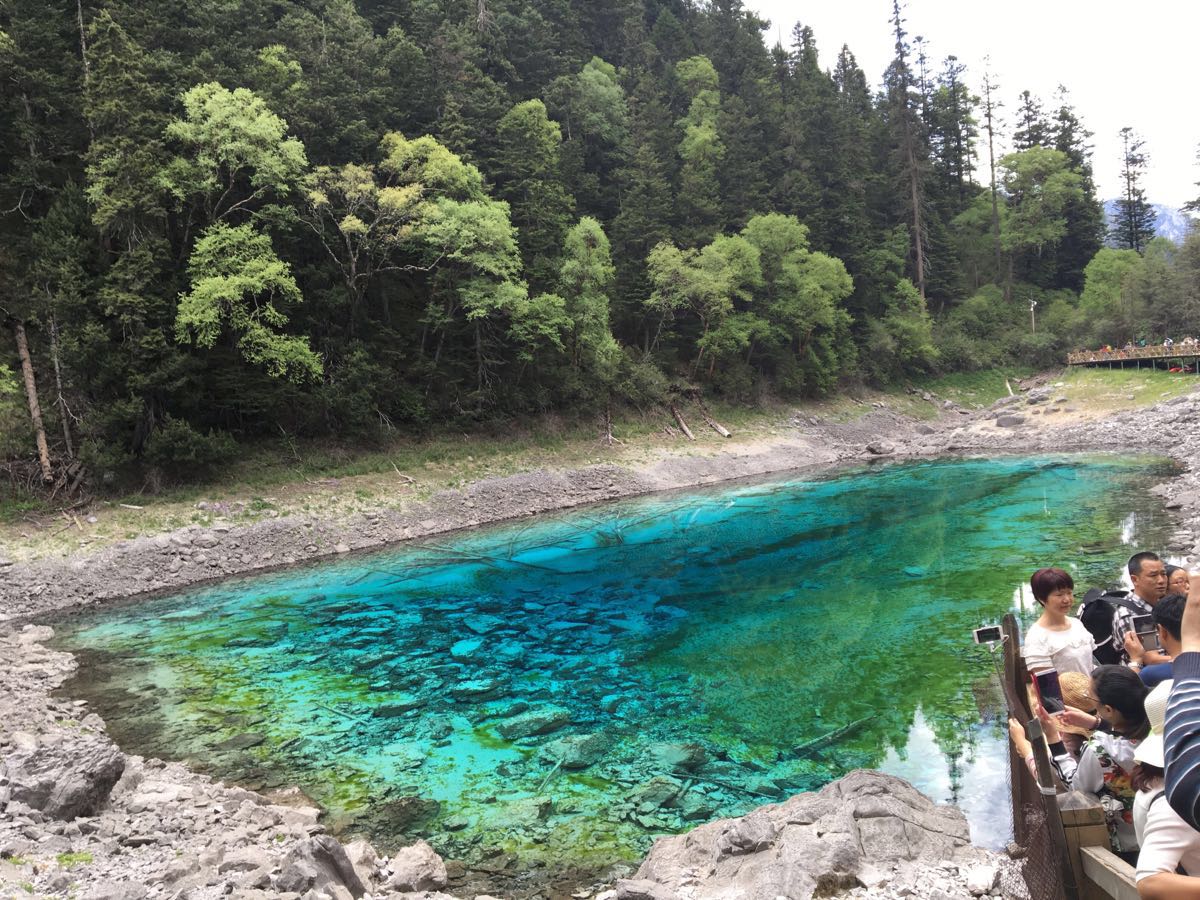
{"x":1057,"y":640}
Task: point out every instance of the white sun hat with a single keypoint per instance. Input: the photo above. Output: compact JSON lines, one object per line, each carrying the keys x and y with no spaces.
{"x":1150,"y":750}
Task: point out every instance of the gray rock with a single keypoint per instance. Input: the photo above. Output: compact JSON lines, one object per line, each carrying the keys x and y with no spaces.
{"x":1009,"y":421}
{"x":364,"y":859}
{"x":417,"y":868}
{"x":538,"y":721}
{"x":811,"y":844}
{"x":116,"y":890}
{"x":981,"y":879}
{"x":643,"y":889}
{"x":881,"y":448}
{"x":319,"y":863}
{"x":64,"y":774}
{"x":679,"y":757}
{"x":398,"y":706}
{"x":577,"y":751}
{"x":466,"y":648}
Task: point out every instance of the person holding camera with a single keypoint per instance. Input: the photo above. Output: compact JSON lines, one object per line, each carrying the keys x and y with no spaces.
{"x":1168,"y":622}
{"x":1103,"y":768}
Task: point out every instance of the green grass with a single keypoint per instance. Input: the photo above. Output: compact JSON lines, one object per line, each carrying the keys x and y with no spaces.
{"x":1146,"y":386}
{"x":67,"y":860}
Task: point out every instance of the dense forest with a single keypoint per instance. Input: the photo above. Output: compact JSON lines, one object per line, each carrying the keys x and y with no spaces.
{"x":225,"y":221}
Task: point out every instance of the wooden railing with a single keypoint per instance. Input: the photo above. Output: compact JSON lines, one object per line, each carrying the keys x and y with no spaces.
{"x":1179,"y":351}
{"x":1075,"y":824}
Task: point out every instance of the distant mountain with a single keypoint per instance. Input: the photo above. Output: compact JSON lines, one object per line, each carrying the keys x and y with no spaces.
{"x":1171,"y":223}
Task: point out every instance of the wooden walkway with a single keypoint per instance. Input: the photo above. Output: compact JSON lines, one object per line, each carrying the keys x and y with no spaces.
{"x":1062,"y":831}
{"x":1158,"y":356}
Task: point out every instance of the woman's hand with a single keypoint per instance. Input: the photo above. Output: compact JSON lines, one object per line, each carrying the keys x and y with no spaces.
{"x":1077,"y":718}
{"x":1016,"y":733}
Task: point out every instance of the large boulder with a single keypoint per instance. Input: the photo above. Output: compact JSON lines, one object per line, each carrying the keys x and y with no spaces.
{"x":812,"y":844}
{"x":321,"y":864}
{"x":63,"y":773}
{"x":417,"y":868}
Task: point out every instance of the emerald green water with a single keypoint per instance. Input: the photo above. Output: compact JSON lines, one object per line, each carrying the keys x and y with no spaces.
{"x":678,"y":652}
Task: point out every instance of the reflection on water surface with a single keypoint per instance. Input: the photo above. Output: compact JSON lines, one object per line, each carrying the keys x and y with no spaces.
{"x":547,"y":696}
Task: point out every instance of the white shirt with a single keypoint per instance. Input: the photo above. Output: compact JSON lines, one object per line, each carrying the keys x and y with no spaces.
{"x":1067,"y":651}
{"x":1167,"y":842}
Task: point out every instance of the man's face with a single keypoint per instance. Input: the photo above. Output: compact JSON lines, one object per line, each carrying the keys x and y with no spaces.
{"x":1151,"y":583}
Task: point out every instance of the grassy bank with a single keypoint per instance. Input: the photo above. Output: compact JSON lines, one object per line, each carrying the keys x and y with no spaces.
{"x":288,"y":476}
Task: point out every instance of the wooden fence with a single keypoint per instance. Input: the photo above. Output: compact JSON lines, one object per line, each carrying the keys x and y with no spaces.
{"x":1075,"y":862}
{"x":1156,"y":356}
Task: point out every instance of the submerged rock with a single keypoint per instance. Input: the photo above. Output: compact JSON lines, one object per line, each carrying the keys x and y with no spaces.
{"x":537,"y":721}
{"x":241,"y":741}
{"x":577,"y":751}
{"x":680,"y":757}
{"x":398,"y":705}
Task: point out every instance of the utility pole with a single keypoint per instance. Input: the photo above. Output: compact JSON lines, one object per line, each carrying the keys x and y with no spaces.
{"x":1032,"y":316}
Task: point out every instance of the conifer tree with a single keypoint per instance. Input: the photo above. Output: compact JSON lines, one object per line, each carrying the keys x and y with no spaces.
{"x":1133,"y":223}
{"x":909,"y":144}
{"x":529,"y":177}
{"x":1032,"y":126}
{"x":700,"y":151}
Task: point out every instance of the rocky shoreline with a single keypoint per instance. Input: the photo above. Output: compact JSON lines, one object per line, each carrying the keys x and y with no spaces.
{"x":81,"y":818}
{"x":1023,"y":423}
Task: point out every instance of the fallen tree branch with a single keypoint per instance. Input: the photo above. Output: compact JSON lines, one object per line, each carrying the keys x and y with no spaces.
{"x":682,"y":424}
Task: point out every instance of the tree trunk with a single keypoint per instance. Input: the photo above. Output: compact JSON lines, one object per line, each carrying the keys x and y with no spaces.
{"x":687,"y":432}
{"x":35,"y":408}
{"x":713,"y":423}
{"x":915,"y":197}
{"x":608,"y":435}
{"x":58,"y":387}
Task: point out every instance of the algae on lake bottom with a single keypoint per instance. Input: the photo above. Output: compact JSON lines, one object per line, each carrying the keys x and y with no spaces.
{"x":451,"y":690}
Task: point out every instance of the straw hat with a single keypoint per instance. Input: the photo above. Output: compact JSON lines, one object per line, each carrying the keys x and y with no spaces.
{"x":1151,"y":749}
{"x":1077,"y":692}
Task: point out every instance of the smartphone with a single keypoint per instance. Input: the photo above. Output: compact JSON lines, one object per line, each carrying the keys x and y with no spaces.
{"x":989,"y":634}
{"x":1146,"y":632}
{"x":1049,"y":692}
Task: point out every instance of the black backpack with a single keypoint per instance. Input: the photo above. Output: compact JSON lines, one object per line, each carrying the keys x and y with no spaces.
{"x":1096,"y":614}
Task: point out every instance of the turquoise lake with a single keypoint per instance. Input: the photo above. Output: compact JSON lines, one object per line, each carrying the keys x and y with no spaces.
{"x":542,"y":698}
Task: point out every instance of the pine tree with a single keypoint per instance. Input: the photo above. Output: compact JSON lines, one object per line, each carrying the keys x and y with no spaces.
{"x":1085,"y":215}
{"x":909,"y":143}
{"x":1033,"y":128}
{"x":1133,"y":222}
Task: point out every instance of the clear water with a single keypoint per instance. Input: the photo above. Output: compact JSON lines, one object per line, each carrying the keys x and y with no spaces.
{"x":689,"y":656}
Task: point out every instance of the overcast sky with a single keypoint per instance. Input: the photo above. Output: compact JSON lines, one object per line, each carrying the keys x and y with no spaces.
{"x":1123,"y":64}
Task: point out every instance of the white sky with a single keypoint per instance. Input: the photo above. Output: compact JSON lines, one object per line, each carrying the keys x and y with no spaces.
{"x":1123,"y":64}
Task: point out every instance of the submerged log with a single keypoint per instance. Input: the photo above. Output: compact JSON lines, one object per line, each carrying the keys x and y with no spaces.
{"x":819,"y":743}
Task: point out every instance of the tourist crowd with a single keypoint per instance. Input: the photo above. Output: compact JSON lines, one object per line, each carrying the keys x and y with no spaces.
{"x":1116,"y":686}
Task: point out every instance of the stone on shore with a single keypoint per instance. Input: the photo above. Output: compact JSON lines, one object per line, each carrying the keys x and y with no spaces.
{"x":812,"y":844}
{"x":320,"y":863}
{"x":417,"y":868}
{"x":63,"y":773}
